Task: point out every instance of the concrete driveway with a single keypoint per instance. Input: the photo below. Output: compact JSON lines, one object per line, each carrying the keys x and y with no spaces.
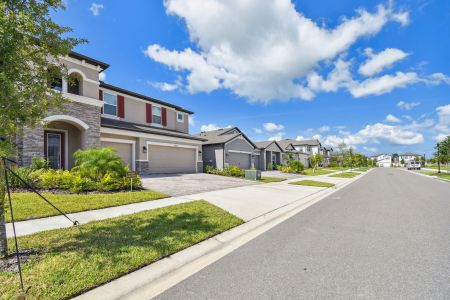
{"x":187,"y":184}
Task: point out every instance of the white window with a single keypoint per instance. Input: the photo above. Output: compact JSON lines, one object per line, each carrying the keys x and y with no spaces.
{"x":110,"y":105}
{"x":180,"y":117}
{"x":156,"y":115}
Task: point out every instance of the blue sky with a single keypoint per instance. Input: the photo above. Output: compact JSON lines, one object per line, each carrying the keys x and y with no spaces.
{"x":374,"y":74}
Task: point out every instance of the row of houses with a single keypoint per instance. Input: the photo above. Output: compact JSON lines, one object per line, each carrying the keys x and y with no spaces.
{"x":150,"y":135}
{"x":387,"y":160}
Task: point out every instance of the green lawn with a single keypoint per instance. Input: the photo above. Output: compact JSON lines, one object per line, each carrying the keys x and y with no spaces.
{"x":445,"y":176}
{"x":73,"y":260}
{"x":271,"y":179}
{"x":311,"y":172}
{"x":30,"y":206}
{"x":335,"y":168}
{"x":345,"y":175}
{"x":362,"y":169}
{"x":443,"y":167}
{"x":313,"y":183}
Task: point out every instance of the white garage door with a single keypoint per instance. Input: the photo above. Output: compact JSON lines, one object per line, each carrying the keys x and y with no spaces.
{"x":166,"y":159}
{"x":123,"y":149}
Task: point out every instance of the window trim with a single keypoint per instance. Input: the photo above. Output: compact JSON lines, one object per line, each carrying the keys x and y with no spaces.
{"x":104,"y":103}
{"x":182,"y":117}
{"x":160,"y":115}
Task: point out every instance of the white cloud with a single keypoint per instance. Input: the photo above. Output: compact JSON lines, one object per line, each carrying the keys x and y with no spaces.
{"x":380,"y":61}
{"x":393,"y":119}
{"x":212,"y":126}
{"x":261,"y":52}
{"x":436,"y":79}
{"x":374,"y":133}
{"x":164,"y":86}
{"x":257,"y":130}
{"x":300,"y":138}
{"x":95,"y":9}
{"x":443,"y":125}
{"x":407,"y":105}
{"x":324,"y":129}
{"x":383,"y":84}
{"x":277,"y":137}
{"x":370,"y":149}
{"x":191,"y":120}
{"x":270,"y":127}
{"x":102,"y":76}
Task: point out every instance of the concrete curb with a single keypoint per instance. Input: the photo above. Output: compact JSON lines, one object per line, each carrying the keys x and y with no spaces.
{"x":155,"y":278}
{"x":428,"y":176}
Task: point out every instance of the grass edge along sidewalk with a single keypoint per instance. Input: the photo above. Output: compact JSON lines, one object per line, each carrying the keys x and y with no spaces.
{"x":313,"y":183}
{"x":27,"y":206}
{"x":345,"y":175}
{"x":73,"y":260}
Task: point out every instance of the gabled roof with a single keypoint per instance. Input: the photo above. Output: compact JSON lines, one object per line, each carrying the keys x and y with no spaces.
{"x":88,"y":59}
{"x":222,"y":136}
{"x":119,"y":124}
{"x":264,"y":144}
{"x":143,"y":97}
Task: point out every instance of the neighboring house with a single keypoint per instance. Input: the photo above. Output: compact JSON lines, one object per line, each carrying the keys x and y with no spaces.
{"x":407,"y":157}
{"x":228,"y":147}
{"x":290,"y":151}
{"x":151,"y":136}
{"x":383,"y":160}
{"x":268,"y":152}
{"x":327,"y":153}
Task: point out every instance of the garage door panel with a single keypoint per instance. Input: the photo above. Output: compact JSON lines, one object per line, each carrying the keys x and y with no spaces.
{"x":169,"y":159}
{"x":123,"y":149}
{"x":242,"y":160}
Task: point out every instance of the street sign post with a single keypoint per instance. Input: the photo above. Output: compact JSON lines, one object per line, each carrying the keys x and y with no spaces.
{"x":131,"y":175}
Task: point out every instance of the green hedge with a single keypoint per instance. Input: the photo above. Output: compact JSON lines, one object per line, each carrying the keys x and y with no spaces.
{"x":232,"y":171}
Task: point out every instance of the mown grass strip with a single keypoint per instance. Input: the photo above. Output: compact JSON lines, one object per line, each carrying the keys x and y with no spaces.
{"x":345,"y":175}
{"x":271,"y":179}
{"x":29,"y":206}
{"x":72,"y":260}
{"x":311,"y":172}
{"x":313,"y":183}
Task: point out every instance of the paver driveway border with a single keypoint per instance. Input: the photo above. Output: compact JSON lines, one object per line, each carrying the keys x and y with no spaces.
{"x":154,"y":279}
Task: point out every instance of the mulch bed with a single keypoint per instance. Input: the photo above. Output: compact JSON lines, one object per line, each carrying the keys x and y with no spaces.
{"x":9,"y":263}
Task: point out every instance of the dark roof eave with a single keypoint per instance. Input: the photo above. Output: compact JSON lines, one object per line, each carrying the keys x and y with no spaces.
{"x":137,"y":95}
{"x":88,"y":59}
{"x":154,"y":132}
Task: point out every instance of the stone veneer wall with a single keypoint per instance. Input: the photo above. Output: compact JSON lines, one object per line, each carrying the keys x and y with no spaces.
{"x":30,"y":142}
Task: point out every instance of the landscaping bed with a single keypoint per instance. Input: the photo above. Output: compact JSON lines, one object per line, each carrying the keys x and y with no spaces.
{"x":313,"y":183}
{"x":29,"y":206}
{"x":345,"y":175}
{"x":271,"y":179}
{"x":73,"y":260}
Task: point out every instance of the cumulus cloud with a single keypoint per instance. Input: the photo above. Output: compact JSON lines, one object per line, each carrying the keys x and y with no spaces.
{"x":271,"y":127}
{"x":380,"y":61}
{"x":300,"y":138}
{"x":324,"y":129}
{"x":277,"y":137}
{"x":102,"y":76}
{"x":393,"y":119}
{"x":212,"y":126}
{"x":261,"y":50}
{"x":383,"y":84}
{"x":370,"y":149}
{"x":407,"y":105}
{"x":374,"y":133}
{"x":257,"y":130}
{"x":164,"y":86}
{"x":443,"y":125}
{"x":95,"y":9}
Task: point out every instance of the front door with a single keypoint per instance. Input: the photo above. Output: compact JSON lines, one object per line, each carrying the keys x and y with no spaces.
{"x":274,"y":159}
{"x":54,"y":149}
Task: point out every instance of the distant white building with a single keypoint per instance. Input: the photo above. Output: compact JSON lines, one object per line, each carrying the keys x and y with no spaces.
{"x":383,"y":160}
{"x":407,"y":157}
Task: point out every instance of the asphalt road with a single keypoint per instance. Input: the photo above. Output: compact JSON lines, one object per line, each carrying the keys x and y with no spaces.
{"x":386,"y":236}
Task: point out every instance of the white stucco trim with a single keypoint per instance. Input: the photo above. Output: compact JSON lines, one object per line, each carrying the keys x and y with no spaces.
{"x":175,"y":146}
{"x":130,"y":133}
{"x":237,"y":151}
{"x":68,"y":119}
{"x":83,"y":99}
{"x":83,"y":63}
{"x":75,"y":70}
{"x":122,"y":141}
{"x":66,"y":145}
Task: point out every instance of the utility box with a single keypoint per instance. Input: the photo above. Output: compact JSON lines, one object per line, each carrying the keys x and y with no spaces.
{"x":253,"y":174}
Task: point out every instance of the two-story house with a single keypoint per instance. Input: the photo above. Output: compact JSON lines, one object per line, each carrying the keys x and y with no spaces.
{"x":150,"y":135}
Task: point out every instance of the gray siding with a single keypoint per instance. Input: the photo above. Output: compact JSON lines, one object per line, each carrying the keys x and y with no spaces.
{"x":213,"y":155}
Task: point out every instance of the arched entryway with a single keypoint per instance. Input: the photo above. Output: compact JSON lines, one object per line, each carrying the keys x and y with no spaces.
{"x":63,"y":135}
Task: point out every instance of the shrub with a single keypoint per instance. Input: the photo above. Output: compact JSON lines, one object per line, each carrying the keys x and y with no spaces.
{"x":82,"y":184}
{"x":236,"y":172}
{"x":96,"y":163}
{"x":296,"y":166}
{"x":38,"y":163}
{"x":209,"y":169}
{"x":269,"y":167}
{"x":25,"y":174}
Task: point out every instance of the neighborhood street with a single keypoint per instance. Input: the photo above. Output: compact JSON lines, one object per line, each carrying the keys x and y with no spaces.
{"x":386,"y":236}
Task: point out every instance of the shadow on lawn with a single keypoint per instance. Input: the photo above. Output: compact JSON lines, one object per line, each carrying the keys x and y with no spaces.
{"x":161,"y":233}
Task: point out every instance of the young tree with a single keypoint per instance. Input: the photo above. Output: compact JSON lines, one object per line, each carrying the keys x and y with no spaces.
{"x":29,"y":39}
{"x":316,"y":160}
{"x":444,"y":153}
{"x":341,"y":152}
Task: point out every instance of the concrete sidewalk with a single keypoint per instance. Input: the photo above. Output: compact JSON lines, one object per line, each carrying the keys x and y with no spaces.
{"x":246,"y":202}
